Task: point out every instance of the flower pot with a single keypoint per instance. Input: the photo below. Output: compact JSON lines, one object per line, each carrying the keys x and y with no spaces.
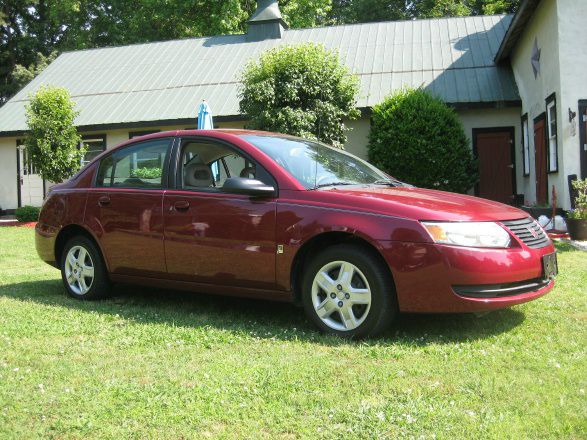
{"x":577,"y":228}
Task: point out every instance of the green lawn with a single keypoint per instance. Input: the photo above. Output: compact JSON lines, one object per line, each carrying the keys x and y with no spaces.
{"x":150,"y":364}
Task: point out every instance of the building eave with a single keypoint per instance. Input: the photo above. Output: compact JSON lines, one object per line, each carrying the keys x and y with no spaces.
{"x":516,"y":28}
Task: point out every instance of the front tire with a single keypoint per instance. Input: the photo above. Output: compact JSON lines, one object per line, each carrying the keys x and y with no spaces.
{"x":349,"y":292}
{"x":83,"y":270}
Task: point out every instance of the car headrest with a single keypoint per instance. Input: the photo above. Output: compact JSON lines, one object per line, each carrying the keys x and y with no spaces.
{"x":248,"y":172}
{"x":197,"y":174}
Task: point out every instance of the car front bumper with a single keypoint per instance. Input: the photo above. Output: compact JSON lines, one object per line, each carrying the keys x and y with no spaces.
{"x":433,"y":278}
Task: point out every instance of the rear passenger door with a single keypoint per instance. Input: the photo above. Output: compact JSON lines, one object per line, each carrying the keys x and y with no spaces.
{"x":124,"y":209}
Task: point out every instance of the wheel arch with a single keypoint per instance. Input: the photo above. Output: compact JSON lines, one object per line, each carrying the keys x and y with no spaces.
{"x":322,"y":241}
{"x":70,"y":231}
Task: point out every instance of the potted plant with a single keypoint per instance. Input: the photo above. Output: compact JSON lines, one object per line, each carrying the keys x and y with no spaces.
{"x":577,"y":218}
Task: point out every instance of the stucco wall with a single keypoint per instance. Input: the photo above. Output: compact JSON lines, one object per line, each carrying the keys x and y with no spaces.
{"x":358,"y":137}
{"x":572,"y":36}
{"x":550,"y":30}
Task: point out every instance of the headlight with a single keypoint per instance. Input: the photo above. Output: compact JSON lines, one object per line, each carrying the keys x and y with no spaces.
{"x":473,"y":234}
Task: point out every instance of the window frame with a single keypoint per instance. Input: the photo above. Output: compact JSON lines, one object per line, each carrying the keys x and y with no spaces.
{"x":551,"y":103}
{"x":165,"y":171}
{"x":525,"y":145}
{"x":92,"y":137}
{"x":179,"y":145}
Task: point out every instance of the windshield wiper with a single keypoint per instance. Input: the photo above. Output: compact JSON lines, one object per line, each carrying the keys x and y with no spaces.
{"x":386,"y":182}
{"x":334,"y":184}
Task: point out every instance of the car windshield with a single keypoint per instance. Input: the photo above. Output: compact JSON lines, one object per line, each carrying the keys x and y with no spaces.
{"x":317,"y":165}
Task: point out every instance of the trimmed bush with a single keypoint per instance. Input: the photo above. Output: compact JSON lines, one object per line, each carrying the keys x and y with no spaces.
{"x":52,"y":142}
{"x":302,"y":90}
{"x":417,"y":138}
{"x":27,"y":213}
{"x":147,"y":173}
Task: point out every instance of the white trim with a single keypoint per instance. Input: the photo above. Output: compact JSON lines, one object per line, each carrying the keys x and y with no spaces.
{"x":552,"y":136}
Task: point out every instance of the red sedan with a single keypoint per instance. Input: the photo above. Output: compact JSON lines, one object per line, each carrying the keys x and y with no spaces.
{"x":264,"y":215}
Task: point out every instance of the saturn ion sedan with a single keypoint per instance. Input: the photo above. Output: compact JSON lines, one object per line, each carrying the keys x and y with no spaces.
{"x":265,"y":215}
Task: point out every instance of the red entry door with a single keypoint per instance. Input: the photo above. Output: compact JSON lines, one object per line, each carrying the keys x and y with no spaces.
{"x":541,"y":161}
{"x":496,"y":164}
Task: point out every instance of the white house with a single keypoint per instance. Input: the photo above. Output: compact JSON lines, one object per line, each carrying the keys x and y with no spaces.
{"x":518,"y":84}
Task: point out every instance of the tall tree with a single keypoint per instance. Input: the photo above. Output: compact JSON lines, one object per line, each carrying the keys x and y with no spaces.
{"x":358,"y":11}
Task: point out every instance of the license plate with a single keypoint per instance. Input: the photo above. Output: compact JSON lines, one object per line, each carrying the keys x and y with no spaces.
{"x":549,"y":266}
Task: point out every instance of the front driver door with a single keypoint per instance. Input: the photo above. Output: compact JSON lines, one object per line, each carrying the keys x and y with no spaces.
{"x":211,"y":236}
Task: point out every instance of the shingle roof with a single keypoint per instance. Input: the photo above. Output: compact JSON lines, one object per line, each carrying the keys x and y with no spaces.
{"x":451,"y":57}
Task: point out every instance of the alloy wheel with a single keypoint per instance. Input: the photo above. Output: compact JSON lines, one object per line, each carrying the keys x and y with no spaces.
{"x":341,"y":295}
{"x":79,"y":270}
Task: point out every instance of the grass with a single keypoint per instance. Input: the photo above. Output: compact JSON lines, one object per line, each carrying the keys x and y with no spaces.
{"x":152,"y":364}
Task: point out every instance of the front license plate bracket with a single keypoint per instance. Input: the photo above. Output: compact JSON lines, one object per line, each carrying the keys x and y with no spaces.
{"x":549,"y":266}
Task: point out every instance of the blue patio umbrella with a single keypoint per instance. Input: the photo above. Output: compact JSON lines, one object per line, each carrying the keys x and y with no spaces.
{"x":205,"y":121}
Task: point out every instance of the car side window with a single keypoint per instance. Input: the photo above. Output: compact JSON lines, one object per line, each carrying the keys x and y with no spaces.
{"x":136,"y":166}
{"x":206,"y":165}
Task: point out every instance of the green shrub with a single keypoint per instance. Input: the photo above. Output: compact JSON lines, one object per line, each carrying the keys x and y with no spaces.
{"x":580,"y":211}
{"x":52,"y":141}
{"x":417,"y":138}
{"x":147,"y":173}
{"x":27,"y":213}
{"x":301,"y":90}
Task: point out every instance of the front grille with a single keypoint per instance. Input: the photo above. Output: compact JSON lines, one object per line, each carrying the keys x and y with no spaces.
{"x":522,"y":230}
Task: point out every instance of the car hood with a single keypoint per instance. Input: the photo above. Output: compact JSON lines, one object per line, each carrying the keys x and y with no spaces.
{"x":422,"y":204}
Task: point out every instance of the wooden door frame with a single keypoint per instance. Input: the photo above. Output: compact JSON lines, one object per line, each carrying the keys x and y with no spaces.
{"x":18,"y":176}
{"x":19,"y":183}
{"x":582,"y":138}
{"x":512,"y":132}
{"x":541,"y":116}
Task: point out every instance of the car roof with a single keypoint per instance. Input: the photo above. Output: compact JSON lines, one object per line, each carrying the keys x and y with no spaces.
{"x":210,"y":133}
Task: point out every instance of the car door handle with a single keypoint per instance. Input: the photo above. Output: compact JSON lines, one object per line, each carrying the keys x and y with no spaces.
{"x":104,"y":200}
{"x":182,"y":205}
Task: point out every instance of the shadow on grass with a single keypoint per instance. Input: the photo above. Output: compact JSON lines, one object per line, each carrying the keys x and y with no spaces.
{"x":263,"y":319}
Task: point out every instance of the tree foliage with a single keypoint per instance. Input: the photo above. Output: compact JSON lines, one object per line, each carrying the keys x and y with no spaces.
{"x":359,"y":11}
{"x":419,"y":139}
{"x":302,"y":90}
{"x":31,"y":30}
{"x":52,"y":141}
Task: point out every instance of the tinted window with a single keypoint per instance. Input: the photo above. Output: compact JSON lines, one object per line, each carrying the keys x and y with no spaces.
{"x":314,"y":164}
{"x":138,"y":166}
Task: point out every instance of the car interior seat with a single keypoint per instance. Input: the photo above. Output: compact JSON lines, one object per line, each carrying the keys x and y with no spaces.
{"x":197,"y":175}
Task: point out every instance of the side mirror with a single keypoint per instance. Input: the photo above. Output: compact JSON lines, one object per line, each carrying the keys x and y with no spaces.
{"x":249,"y":187}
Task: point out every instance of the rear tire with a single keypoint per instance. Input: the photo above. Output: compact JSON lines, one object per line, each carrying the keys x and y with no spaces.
{"x":349,"y":292}
{"x":83,"y":270}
